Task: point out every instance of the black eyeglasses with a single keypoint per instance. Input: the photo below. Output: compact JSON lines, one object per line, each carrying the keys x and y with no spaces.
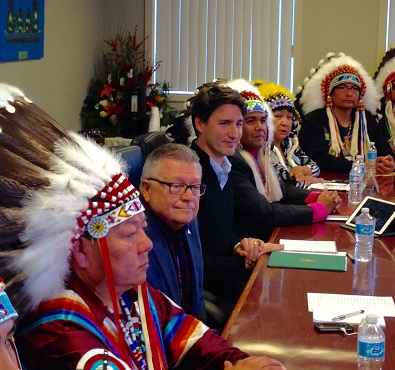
{"x":344,"y":89}
{"x":177,"y":188}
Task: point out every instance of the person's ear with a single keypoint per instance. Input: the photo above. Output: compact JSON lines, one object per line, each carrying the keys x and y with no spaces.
{"x":145,"y":190}
{"x":79,"y":252}
{"x":198,"y":124}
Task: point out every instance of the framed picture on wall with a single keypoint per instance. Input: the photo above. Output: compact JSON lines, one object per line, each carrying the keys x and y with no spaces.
{"x":21,"y":30}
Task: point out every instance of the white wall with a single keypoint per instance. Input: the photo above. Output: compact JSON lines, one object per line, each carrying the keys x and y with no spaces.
{"x":354,"y":27}
{"x":73,"y":40}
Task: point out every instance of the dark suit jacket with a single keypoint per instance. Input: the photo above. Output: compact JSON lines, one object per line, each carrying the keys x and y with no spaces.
{"x":161,"y":273}
{"x":254,"y":215}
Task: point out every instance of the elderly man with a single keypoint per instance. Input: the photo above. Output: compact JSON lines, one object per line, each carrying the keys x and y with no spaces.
{"x":86,"y":256}
{"x":339,"y":103}
{"x":171,"y":187}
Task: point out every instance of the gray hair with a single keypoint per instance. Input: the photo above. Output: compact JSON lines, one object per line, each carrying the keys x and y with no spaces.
{"x":177,"y":152}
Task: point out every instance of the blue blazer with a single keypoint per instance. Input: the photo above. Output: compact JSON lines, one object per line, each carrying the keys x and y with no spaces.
{"x":161,"y":273}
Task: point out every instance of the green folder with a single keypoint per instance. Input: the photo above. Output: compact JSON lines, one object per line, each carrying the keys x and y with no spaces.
{"x":309,"y":261}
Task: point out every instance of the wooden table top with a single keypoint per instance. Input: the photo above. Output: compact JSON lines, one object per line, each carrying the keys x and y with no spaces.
{"x":272,"y":318}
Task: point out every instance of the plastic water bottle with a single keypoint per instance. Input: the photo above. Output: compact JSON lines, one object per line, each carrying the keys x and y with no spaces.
{"x":371,"y":344}
{"x":364,"y":236}
{"x":356,"y":181}
{"x":370,"y":167}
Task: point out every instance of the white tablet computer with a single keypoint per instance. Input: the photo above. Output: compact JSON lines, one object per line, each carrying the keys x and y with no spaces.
{"x":382,"y":210}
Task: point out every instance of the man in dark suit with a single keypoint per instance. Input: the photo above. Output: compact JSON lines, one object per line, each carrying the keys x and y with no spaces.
{"x":171,"y":187}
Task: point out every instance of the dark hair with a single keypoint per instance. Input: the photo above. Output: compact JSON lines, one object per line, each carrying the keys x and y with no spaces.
{"x":210,"y":97}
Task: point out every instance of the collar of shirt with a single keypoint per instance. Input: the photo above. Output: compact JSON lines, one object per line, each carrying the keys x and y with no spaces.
{"x":222,"y":171}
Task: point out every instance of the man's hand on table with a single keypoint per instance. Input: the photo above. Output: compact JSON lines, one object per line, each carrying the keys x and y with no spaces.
{"x":251,"y":249}
{"x":255,"y":363}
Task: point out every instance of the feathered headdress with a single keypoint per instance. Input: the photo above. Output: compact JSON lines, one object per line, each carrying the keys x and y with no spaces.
{"x":254,"y":101}
{"x":270,"y":188}
{"x":316,"y":90}
{"x":278,"y":97}
{"x":385,"y":83}
{"x":54,"y":186}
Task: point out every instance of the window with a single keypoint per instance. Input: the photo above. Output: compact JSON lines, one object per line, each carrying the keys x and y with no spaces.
{"x":199,"y":40}
{"x":390,"y":29}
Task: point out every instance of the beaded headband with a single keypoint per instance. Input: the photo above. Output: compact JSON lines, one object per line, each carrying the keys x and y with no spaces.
{"x":254,"y":102}
{"x":343,"y":74}
{"x":7,"y":311}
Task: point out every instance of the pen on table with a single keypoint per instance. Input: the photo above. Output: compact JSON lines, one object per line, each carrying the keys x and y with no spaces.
{"x":347,"y":315}
{"x":351,"y":257}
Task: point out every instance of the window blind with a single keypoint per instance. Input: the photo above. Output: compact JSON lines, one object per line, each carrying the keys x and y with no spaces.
{"x":199,"y":40}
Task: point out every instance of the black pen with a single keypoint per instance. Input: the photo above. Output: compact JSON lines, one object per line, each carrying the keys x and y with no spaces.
{"x":351,"y":257}
{"x":347,"y":315}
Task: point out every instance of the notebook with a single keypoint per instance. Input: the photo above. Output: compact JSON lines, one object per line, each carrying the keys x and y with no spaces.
{"x":382,"y":210}
{"x":309,"y":261}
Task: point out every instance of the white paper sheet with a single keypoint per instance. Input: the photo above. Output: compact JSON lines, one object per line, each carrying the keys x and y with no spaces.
{"x":309,"y":246}
{"x":327,"y":306}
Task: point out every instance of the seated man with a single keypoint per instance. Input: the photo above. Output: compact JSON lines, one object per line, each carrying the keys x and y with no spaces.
{"x":335,"y":124}
{"x":171,"y":187}
{"x":261,"y":201}
{"x":217,"y":116}
{"x":86,"y":257}
{"x":9,"y":359}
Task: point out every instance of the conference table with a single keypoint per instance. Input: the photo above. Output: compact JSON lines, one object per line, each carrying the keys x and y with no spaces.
{"x":272,"y":318}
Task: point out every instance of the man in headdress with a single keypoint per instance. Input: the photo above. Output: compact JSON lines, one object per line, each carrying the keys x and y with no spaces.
{"x":85,"y":258}
{"x":335,"y":124}
{"x":9,"y":359}
{"x":263,"y":202}
{"x":385,"y":85}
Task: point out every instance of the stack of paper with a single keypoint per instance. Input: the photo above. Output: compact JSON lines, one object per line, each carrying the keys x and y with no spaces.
{"x":325,"y":307}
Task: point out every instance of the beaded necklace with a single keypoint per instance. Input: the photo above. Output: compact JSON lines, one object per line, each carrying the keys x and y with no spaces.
{"x":133,"y":333}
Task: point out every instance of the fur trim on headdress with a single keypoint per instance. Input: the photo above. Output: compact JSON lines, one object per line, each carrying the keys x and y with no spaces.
{"x":58,"y":183}
{"x":385,"y":83}
{"x":315,"y":94}
{"x":254,"y":101}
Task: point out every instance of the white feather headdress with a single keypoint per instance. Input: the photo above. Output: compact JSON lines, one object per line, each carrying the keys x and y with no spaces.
{"x":315,"y":94}
{"x":385,"y":83}
{"x":48,"y":179}
{"x":251,"y":94}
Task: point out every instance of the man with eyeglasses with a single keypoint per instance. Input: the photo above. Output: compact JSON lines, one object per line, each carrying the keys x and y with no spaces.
{"x":171,"y":187}
{"x":338,"y":105}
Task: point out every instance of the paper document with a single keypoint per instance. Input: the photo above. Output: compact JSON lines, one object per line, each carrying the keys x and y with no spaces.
{"x":327,"y":306}
{"x":331,"y":186}
{"x":309,"y":246}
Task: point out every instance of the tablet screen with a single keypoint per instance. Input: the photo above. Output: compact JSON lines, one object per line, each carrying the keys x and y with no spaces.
{"x":382,"y":210}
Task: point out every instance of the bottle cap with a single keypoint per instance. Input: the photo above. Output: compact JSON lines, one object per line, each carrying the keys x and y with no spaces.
{"x":359,"y":156}
{"x":365,"y":210}
{"x":371,"y":318}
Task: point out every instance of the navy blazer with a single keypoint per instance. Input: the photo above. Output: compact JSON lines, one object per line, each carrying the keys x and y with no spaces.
{"x":161,"y":273}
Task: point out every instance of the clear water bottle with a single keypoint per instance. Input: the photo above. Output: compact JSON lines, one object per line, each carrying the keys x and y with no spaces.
{"x":356,"y":181}
{"x":370,"y":167}
{"x":364,"y":236}
{"x":371,"y":344}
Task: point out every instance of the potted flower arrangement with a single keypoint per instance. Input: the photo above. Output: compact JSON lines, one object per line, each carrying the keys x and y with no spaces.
{"x":119,"y":102}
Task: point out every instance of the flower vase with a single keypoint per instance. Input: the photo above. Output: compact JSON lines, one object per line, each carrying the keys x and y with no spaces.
{"x":134,"y":119}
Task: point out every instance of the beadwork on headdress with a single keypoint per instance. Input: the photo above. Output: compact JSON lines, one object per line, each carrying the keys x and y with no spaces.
{"x":54,"y":186}
{"x":316,"y":90}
